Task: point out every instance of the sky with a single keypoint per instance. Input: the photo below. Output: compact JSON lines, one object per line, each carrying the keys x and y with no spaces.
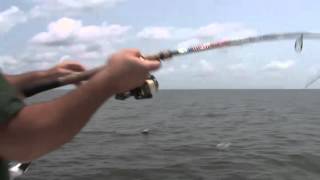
{"x":37,"y":34}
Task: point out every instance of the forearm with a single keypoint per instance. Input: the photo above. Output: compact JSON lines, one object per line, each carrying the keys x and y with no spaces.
{"x":40,"y":128}
{"x":26,"y":79}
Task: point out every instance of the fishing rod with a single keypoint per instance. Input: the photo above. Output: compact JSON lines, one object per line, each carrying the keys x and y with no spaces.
{"x":151,"y":83}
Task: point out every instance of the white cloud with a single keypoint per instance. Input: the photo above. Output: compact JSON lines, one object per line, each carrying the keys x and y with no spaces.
{"x":66,"y":31}
{"x":89,"y":33}
{"x":279,"y":65}
{"x":7,"y":61}
{"x":10,"y":18}
{"x":210,"y":31}
{"x":10,"y":64}
{"x":45,"y":56}
{"x":69,"y":7}
{"x":194,"y":68}
{"x":156,"y":33}
{"x":65,"y":58}
{"x":69,"y":38}
{"x":60,"y":32}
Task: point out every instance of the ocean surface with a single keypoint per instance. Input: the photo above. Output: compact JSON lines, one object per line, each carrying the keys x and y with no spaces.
{"x":194,"y":135}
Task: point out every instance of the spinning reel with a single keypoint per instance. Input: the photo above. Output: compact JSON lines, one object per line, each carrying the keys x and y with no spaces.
{"x":146,"y":91}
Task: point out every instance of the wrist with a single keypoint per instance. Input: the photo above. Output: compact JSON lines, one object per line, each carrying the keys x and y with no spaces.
{"x":102,"y":84}
{"x":42,"y":74}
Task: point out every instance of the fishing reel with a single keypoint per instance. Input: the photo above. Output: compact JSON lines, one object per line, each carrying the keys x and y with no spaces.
{"x":145,"y":91}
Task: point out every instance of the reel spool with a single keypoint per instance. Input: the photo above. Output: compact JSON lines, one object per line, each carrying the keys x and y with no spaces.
{"x":145,"y":91}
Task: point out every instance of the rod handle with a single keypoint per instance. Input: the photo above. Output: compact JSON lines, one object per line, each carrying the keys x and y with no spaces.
{"x":159,"y":56}
{"x":48,"y":84}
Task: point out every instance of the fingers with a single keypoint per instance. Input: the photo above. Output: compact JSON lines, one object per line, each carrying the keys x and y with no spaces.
{"x":72,"y":66}
{"x":151,"y":65}
{"x":75,"y":67}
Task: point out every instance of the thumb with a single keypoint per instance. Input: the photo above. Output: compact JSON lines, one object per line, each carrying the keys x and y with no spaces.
{"x":152,"y":65}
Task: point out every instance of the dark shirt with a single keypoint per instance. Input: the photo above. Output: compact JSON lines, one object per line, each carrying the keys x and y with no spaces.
{"x":10,"y":105}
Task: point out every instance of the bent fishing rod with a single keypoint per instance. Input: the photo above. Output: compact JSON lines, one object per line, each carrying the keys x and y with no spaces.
{"x":151,"y":84}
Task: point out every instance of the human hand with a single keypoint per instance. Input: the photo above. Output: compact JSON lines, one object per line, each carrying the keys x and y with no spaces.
{"x":128,"y":70}
{"x":65,"y":68}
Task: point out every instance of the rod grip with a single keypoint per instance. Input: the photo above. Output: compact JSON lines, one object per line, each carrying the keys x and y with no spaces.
{"x":48,"y":84}
{"x":160,"y":56}
{"x":40,"y":86}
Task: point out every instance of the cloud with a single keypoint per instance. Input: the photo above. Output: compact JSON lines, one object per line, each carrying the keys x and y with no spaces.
{"x":210,"y":31}
{"x":10,"y":17}
{"x":225,"y":31}
{"x":279,"y":65}
{"x":194,"y":68}
{"x":69,"y":7}
{"x":68,"y":38}
{"x":66,"y":31}
{"x":10,"y":64}
{"x":61,"y":32}
{"x":237,"y":67}
{"x":165,"y":33}
{"x":7,"y":61}
{"x":156,"y":33}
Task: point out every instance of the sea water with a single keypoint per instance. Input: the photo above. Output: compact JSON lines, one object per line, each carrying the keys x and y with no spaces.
{"x":193,"y":135}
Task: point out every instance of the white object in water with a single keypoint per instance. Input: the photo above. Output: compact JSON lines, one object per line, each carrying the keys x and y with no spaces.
{"x":223,"y":145}
{"x":18,"y":170}
{"x":145,"y":131}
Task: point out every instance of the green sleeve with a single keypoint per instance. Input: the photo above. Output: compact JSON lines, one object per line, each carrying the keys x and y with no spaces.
{"x":4,"y":175}
{"x":10,"y":104}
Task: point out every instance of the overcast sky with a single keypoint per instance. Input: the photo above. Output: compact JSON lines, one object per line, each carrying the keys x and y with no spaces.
{"x":36,"y":34}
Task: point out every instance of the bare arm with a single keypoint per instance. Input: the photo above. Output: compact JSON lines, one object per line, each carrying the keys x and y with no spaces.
{"x":41,"y":128}
{"x":28,"y":79}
